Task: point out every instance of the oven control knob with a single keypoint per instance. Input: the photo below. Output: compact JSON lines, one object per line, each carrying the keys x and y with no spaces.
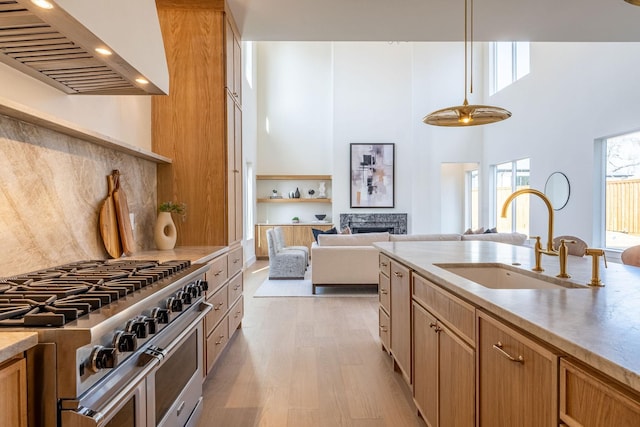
{"x":125,"y":341}
{"x":195,"y":289}
{"x":185,"y":296}
{"x":174,"y":304}
{"x":204,"y":284}
{"x":102,"y":358}
{"x":138,"y":327}
{"x":152,"y":324}
{"x":160,"y":314}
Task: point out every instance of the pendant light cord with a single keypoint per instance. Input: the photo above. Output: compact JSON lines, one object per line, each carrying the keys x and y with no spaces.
{"x":465,"y":50}
{"x":471,"y":58}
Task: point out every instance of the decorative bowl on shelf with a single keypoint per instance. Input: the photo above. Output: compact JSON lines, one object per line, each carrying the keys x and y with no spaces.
{"x":321,"y":217}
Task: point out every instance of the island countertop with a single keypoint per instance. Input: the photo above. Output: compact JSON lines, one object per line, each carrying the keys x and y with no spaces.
{"x":599,"y":326}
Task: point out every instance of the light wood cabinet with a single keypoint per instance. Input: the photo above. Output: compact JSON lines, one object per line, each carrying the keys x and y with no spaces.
{"x":13,"y":393}
{"x":384,"y":298}
{"x":587,"y":399}
{"x":294,"y":235}
{"x":443,"y":362}
{"x":233,"y":54}
{"x":198,"y":124}
{"x":401,"y":319}
{"x":225,"y":279}
{"x":518,"y":378}
{"x":425,"y":370}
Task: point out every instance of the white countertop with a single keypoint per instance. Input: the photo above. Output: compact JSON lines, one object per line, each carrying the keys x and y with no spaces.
{"x":598,"y":326}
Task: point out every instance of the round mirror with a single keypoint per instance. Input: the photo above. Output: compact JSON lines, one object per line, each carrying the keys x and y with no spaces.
{"x":557,"y":190}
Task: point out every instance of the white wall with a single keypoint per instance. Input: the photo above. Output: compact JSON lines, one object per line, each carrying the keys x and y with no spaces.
{"x":295,"y":94}
{"x":372,"y":104}
{"x":575,"y":93}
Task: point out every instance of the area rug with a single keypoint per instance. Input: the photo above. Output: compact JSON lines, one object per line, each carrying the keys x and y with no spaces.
{"x":303,"y":288}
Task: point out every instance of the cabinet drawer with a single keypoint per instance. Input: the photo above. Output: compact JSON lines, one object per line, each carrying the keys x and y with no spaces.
{"x":220,"y":302}
{"x":385,"y":264}
{"x":587,"y":400}
{"x":385,"y":329}
{"x":216,"y":342}
{"x":235,"y":288}
{"x":452,"y":311}
{"x":384,"y":292}
{"x":234,"y":261}
{"x":217,"y":274}
{"x":235,"y":316}
{"x":518,"y":378}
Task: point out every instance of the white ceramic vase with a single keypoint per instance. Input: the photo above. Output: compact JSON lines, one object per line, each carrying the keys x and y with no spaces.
{"x":165,"y":234}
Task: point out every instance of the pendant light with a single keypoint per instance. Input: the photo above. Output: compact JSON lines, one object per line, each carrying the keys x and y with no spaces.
{"x":465,"y":114}
{"x":633,"y":2}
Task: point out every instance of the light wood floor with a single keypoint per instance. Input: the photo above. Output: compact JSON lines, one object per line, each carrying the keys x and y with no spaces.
{"x":302,"y":362}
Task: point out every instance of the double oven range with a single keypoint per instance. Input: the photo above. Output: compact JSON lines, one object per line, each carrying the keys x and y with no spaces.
{"x":119,"y":342}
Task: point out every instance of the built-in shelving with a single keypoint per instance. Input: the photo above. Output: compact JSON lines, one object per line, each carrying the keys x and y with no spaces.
{"x":285,"y":207}
{"x":300,"y":200}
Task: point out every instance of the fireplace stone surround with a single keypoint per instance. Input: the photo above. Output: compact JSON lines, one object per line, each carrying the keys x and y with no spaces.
{"x":394,"y":223}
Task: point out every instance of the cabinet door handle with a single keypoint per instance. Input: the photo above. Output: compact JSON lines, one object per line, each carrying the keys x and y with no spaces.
{"x":235,"y":261}
{"x":397,"y":274}
{"x":384,"y":264}
{"x":383,"y":291}
{"x":383,"y":328}
{"x":218,"y":273}
{"x":499,"y":346}
{"x":435,"y":327}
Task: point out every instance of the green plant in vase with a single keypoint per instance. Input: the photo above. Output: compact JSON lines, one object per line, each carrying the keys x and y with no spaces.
{"x":295,"y":220}
{"x":176,"y":208}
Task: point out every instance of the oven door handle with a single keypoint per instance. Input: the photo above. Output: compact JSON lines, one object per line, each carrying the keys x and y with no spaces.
{"x":86,"y":417}
{"x":205,"y":308}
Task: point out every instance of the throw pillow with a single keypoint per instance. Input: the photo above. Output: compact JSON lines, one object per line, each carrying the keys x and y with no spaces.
{"x":468,"y":231}
{"x":478,"y":230}
{"x":345,"y":230}
{"x":317,"y":232}
{"x":491,"y":230}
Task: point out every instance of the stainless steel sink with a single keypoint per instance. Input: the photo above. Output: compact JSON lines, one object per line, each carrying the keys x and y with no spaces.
{"x":500,"y":276}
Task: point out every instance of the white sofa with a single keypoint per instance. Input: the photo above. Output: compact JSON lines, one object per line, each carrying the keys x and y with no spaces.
{"x":349,"y":259}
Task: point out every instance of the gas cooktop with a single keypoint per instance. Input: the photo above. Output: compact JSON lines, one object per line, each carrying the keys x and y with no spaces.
{"x":58,"y":295}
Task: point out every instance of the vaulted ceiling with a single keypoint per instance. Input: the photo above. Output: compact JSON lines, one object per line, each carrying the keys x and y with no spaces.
{"x":436,"y":20}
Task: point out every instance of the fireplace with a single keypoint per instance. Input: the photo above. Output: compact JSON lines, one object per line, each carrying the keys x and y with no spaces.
{"x":394,"y":223}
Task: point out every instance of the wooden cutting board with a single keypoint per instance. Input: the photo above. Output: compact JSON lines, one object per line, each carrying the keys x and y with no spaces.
{"x":109,"y":223}
{"x":122,"y":213}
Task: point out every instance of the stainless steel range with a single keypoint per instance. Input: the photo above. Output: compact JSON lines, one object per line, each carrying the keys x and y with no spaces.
{"x":119,"y":342}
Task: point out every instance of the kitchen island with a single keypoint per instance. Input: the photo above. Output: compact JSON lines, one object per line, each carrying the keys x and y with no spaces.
{"x":595,"y":327}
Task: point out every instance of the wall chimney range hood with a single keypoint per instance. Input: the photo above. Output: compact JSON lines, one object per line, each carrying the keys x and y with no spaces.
{"x":54,"y":47}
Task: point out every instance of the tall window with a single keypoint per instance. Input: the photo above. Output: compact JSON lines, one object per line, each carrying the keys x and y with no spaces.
{"x":509,"y":61}
{"x":622,"y":191}
{"x":249,"y":201}
{"x":472,"y":207}
{"x":510,"y":177}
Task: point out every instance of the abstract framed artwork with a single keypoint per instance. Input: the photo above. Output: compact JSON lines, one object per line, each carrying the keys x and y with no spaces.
{"x":372,"y":175}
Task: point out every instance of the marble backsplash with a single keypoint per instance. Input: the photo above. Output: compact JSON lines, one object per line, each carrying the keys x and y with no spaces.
{"x":52,"y":188}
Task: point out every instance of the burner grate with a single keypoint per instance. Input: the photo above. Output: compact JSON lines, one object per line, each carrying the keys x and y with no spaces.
{"x":55,"y":296}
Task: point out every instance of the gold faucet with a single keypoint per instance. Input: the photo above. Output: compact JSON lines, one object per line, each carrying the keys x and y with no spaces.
{"x":595,"y":265}
{"x":563,"y":251}
{"x":538,"y":247}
